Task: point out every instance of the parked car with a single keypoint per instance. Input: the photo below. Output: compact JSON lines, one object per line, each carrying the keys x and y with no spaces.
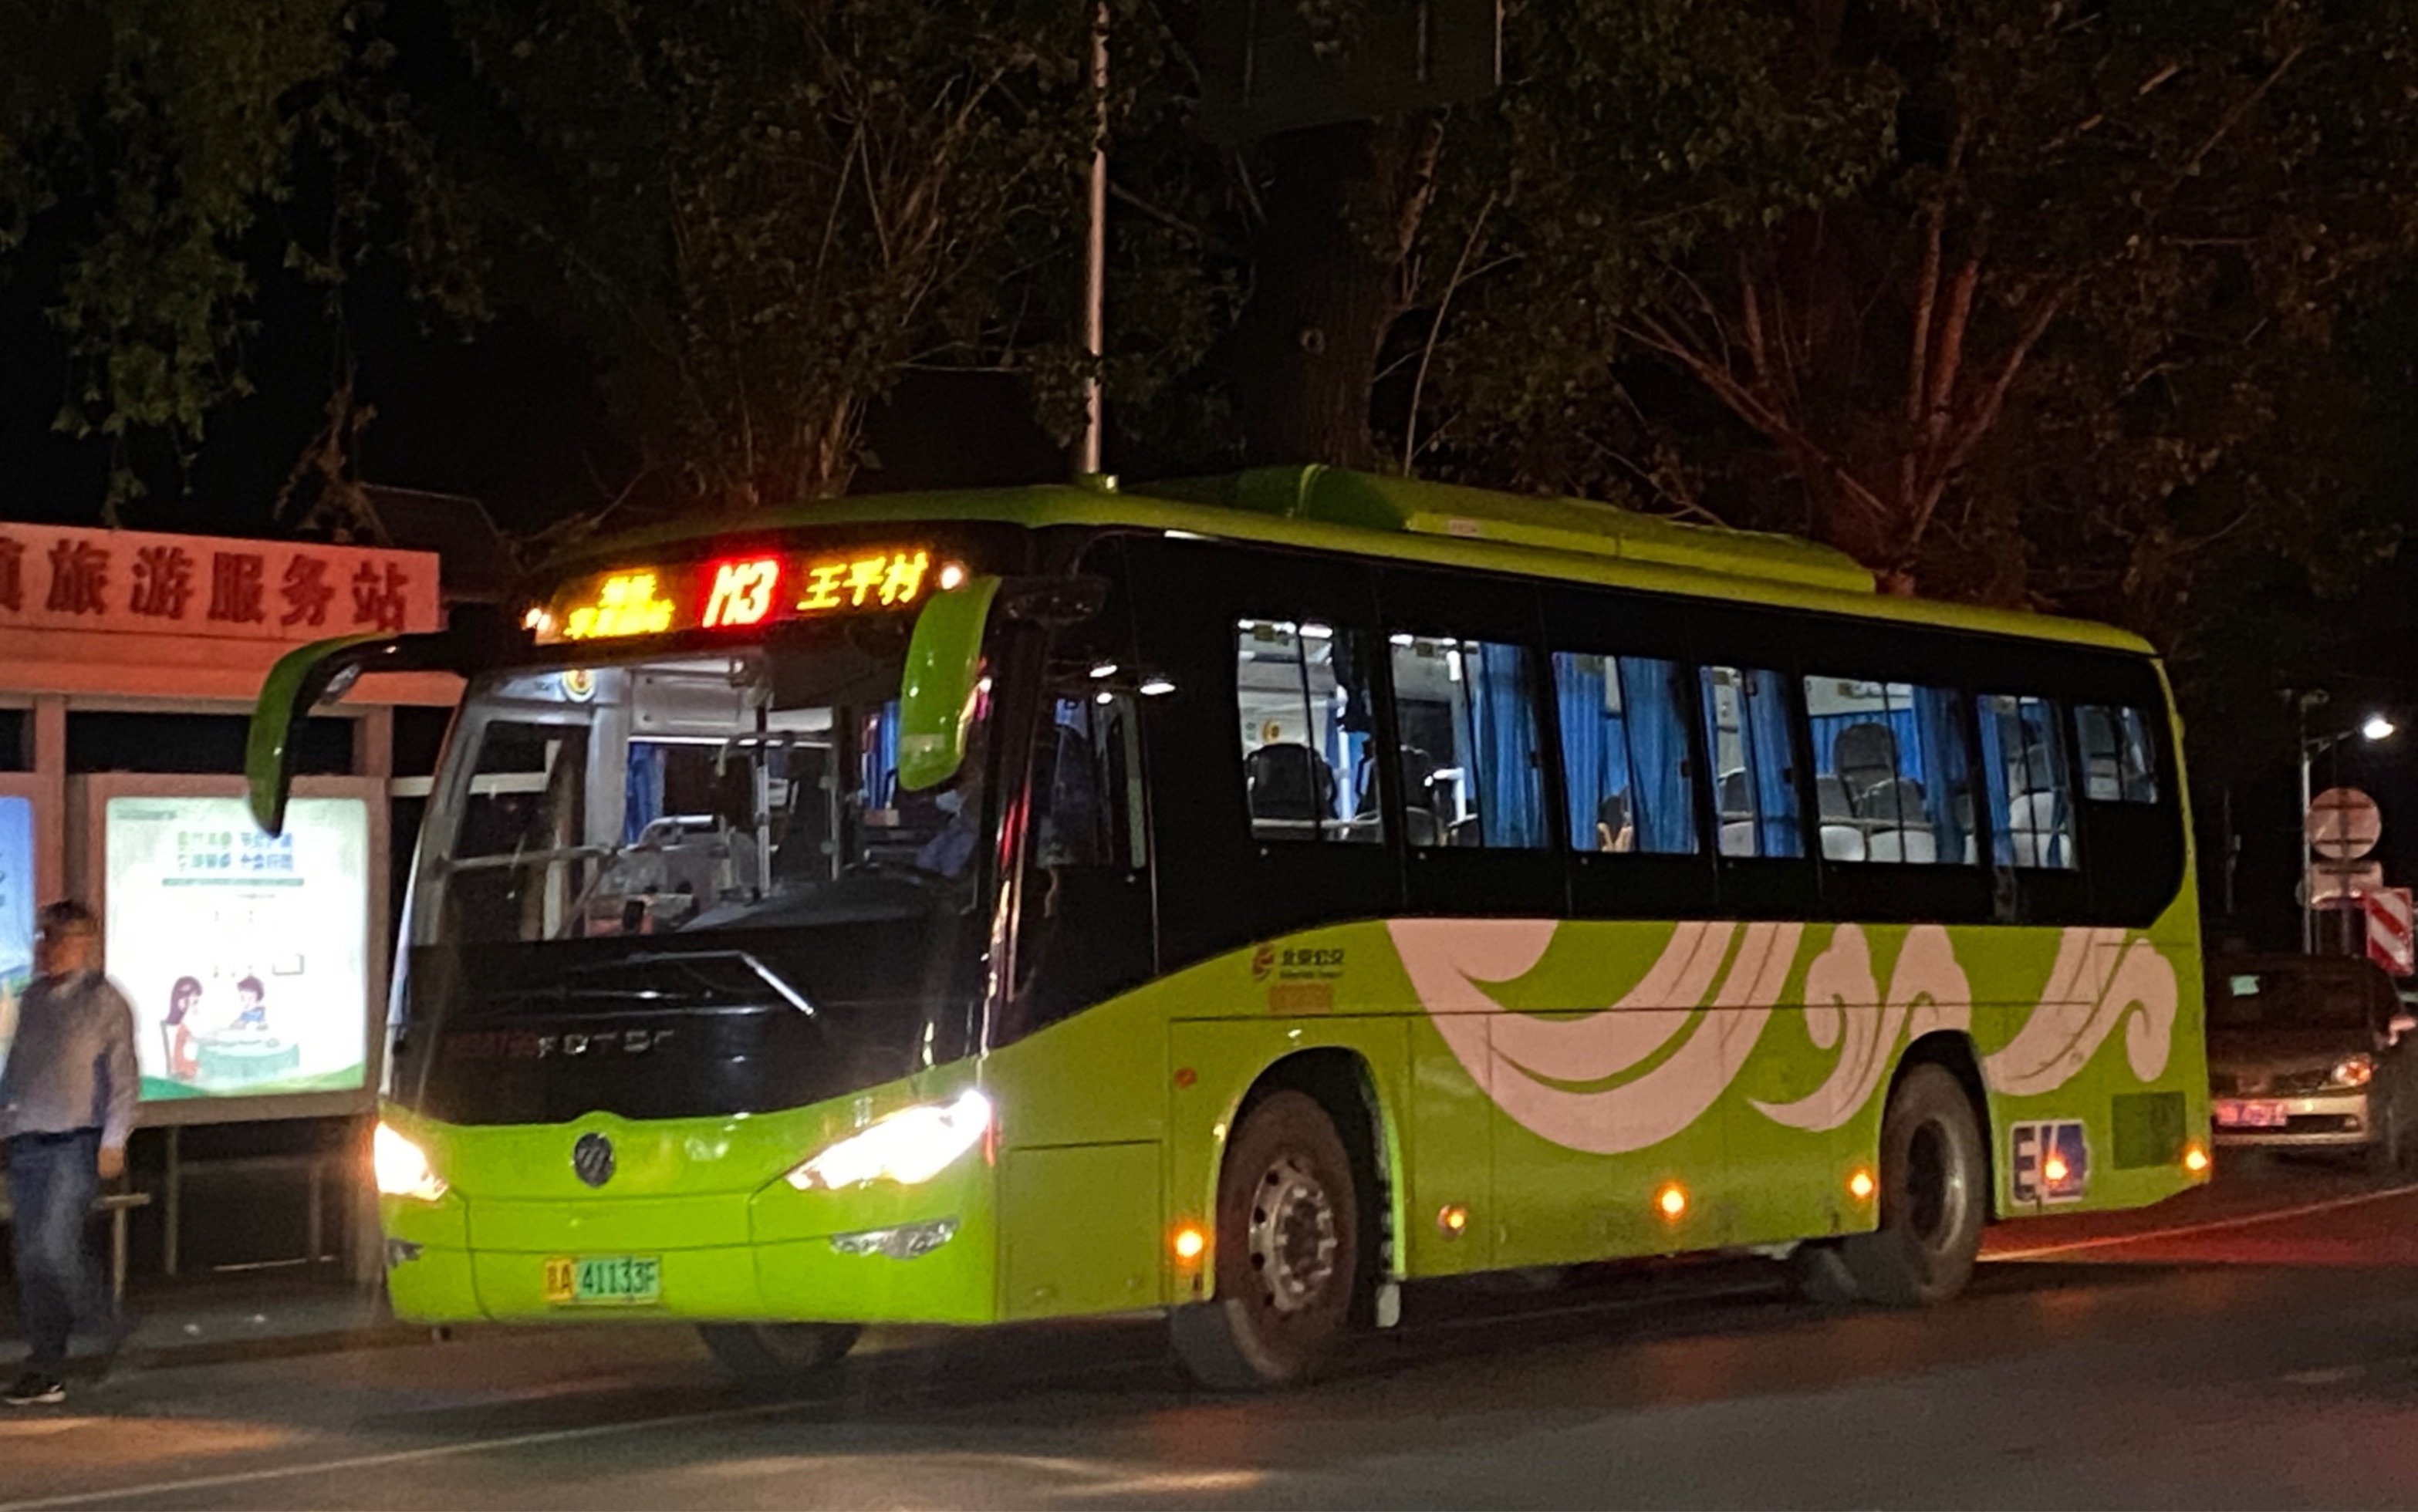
{"x":2312,"y":1052}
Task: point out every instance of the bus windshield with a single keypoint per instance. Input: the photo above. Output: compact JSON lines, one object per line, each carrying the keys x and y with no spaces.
{"x":690,"y":794}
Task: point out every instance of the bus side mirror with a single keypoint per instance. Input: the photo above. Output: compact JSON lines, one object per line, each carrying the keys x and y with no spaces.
{"x":299,"y":682}
{"x":938,"y":693}
{"x":305,"y":678}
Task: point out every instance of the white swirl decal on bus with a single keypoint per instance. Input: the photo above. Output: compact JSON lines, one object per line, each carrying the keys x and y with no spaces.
{"x":1517,"y":1058}
{"x":1927,"y":991}
{"x":2097,"y":982}
{"x":1698,"y":1034}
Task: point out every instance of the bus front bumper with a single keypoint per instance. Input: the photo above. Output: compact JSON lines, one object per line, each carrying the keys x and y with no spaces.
{"x":733,"y":1257}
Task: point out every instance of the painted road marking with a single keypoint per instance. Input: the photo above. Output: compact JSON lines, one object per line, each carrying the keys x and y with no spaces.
{"x":2212,"y":1226}
{"x":162,"y":1491}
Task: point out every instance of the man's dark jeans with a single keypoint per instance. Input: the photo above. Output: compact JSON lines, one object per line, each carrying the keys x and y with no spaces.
{"x":52,"y":1179}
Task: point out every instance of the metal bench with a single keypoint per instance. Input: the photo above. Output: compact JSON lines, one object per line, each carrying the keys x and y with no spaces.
{"x":117,"y":1205}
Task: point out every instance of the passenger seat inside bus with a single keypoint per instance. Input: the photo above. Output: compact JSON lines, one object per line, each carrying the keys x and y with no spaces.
{"x":1737,"y":814}
{"x":1842,"y":838}
{"x":1900,"y":824}
{"x":1291,"y":789}
{"x":2033,"y":812}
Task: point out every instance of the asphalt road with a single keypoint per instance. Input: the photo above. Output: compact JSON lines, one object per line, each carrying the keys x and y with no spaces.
{"x":2252,"y":1345}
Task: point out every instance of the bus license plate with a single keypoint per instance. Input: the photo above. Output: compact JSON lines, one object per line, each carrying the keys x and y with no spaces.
{"x":2248,"y":1115}
{"x":623,"y":1278}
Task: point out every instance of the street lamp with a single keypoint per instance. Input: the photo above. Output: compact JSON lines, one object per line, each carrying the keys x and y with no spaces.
{"x":2374,"y":727}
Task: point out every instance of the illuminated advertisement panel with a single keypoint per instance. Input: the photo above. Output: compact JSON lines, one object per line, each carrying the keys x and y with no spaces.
{"x":16,"y":911}
{"x":246,"y":955}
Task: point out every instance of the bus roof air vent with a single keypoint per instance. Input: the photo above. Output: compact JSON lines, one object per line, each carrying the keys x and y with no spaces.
{"x":1411,"y":506}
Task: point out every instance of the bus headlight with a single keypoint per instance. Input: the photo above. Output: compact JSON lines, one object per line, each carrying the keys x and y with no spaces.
{"x":908,"y":1147}
{"x":402,"y":1166}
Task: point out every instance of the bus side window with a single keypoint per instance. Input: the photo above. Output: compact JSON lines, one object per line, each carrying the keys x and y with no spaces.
{"x":1754,"y":777}
{"x":2118,"y":762}
{"x":1892,"y":772}
{"x":1625,"y":754}
{"x":2031,"y":798}
{"x":1086,"y":805}
{"x":1305,"y":716}
{"x":1465,"y":726}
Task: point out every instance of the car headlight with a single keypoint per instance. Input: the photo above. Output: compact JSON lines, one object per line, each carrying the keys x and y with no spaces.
{"x":910,"y":1146}
{"x":2354,"y":1070}
{"x":402,"y":1166}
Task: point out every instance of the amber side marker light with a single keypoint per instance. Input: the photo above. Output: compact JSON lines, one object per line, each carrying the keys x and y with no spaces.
{"x":1672,"y":1201}
{"x":2055,"y":1169}
{"x":2196,"y":1160}
{"x":1860,"y":1186}
{"x":1190,"y":1242}
{"x":1453,"y":1220}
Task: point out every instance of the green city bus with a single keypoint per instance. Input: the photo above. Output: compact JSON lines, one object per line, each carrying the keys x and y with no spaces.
{"x":1240,"y":898}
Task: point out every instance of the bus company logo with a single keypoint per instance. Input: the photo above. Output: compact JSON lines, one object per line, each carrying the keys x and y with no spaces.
{"x":1297,"y":963}
{"x":2052,"y":1160}
{"x":1305,"y":977}
{"x":591,"y":1159}
{"x":517,"y":1045}
{"x":1309,"y":964}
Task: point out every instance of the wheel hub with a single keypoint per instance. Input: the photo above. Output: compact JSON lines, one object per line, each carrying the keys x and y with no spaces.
{"x":1293,"y":1239}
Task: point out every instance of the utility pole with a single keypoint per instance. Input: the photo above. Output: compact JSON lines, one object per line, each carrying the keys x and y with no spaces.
{"x":1096,"y":249}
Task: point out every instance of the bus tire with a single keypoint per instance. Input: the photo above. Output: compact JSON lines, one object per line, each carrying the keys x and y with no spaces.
{"x":1822,"y":1274}
{"x":1286,"y":1253}
{"x":778,"y":1356}
{"x":1934,"y":1196}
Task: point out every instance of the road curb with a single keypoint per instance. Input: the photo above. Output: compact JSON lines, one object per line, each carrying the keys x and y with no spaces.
{"x":210,"y":1351}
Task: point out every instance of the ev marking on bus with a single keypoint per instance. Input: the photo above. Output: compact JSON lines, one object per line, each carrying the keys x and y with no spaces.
{"x":2052,"y":1160}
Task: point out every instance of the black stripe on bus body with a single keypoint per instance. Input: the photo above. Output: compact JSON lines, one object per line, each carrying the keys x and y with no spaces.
{"x":1221,"y":888}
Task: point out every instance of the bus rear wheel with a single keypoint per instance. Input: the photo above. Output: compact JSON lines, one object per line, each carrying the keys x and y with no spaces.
{"x":778,"y":1356}
{"x":1286,"y":1253}
{"x":1934,"y":1196}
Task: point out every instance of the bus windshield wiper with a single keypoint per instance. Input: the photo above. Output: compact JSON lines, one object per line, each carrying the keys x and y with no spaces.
{"x":689,"y":960}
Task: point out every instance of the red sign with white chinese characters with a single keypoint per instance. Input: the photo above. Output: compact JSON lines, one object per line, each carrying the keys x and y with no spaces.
{"x":53,"y":578}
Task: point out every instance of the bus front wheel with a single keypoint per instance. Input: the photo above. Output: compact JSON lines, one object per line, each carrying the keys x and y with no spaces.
{"x":1287,"y":1252}
{"x":1934,"y":1196}
{"x":778,"y":1356}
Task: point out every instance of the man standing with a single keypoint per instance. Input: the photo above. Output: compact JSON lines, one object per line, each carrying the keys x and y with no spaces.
{"x":67,"y":1103}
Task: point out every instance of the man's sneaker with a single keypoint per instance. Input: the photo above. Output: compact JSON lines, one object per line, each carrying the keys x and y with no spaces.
{"x":35,"y":1388}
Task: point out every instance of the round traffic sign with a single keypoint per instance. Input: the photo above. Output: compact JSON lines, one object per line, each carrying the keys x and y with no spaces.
{"x":2343,"y":823}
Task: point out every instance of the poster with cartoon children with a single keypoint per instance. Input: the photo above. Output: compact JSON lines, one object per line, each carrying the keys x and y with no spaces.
{"x":246,"y":955}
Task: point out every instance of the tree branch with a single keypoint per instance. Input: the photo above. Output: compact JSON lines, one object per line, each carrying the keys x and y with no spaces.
{"x":1444,"y":307}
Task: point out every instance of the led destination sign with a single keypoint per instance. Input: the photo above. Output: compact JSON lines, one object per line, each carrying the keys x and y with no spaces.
{"x":740,"y":594}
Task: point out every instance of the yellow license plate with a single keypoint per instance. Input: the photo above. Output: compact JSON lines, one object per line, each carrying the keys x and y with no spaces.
{"x":623,"y":1278}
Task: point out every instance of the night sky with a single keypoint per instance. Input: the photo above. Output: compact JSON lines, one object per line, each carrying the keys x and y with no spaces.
{"x":513,"y":416}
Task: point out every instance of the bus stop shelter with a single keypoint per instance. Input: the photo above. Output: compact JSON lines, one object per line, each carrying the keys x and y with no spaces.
{"x":256,"y":964}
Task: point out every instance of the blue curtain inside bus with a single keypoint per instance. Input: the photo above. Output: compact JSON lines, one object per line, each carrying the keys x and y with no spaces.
{"x":1949,"y":792}
{"x":1772,"y":764}
{"x":879,"y":762}
{"x":1660,"y":803}
{"x":642,"y":792}
{"x":1506,"y":777}
{"x":1632,"y":748}
{"x":1593,"y":757}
